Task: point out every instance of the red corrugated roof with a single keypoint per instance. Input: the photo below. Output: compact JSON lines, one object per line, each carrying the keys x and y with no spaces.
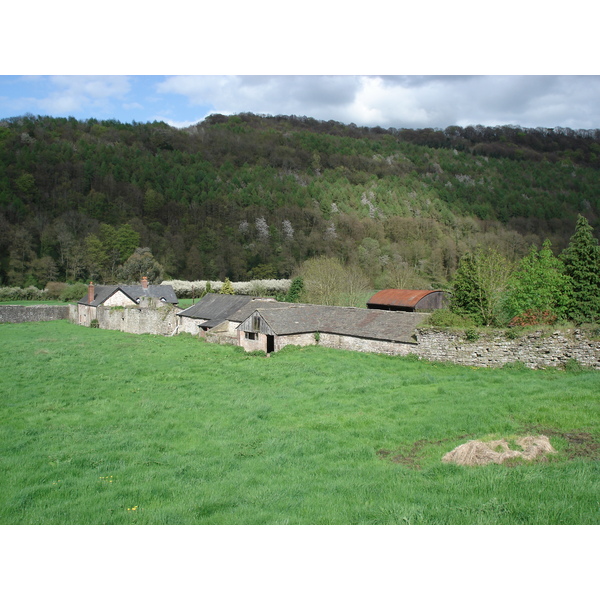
{"x":404,"y":298}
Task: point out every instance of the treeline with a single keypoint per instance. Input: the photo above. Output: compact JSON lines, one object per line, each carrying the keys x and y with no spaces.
{"x":540,"y":288}
{"x":253,"y":197}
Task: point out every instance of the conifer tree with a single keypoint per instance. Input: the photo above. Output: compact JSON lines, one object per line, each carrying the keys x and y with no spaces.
{"x":295,"y":292}
{"x":582,"y":263}
{"x":227,"y":287}
{"x":479,"y":286}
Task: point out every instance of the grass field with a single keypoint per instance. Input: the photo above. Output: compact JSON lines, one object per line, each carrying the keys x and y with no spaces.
{"x":103,"y":427}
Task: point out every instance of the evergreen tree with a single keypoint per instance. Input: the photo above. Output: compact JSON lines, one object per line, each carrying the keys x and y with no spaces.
{"x":227,"y":287}
{"x":480,"y":285}
{"x":295,"y":292}
{"x":582,"y":264}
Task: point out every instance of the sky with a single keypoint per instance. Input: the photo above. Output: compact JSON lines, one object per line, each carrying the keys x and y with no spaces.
{"x":366,"y":100}
{"x":433,"y":65}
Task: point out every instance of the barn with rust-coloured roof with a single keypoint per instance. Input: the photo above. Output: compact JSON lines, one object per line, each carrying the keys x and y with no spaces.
{"x":409,"y":300}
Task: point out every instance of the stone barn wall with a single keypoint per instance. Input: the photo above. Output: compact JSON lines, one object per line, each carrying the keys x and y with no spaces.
{"x":159,"y":321}
{"x":346,"y":342}
{"x":14,"y":313}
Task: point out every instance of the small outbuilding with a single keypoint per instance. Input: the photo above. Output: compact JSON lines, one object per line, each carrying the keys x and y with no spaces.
{"x":409,"y":300}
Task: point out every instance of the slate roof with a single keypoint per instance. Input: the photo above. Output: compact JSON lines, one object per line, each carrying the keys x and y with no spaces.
{"x":215,"y":308}
{"x":103,"y":292}
{"x":357,"y":322}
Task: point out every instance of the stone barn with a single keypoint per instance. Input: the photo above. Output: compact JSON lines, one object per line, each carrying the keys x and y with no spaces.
{"x":409,"y":300}
{"x":218,"y":315}
{"x":270,"y":329}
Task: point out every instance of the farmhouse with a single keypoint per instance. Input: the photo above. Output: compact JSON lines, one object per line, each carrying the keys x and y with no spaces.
{"x":272,"y":328}
{"x":409,"y":300}
{"x":122,"y":296}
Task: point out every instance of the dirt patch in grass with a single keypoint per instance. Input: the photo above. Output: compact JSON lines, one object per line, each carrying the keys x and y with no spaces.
{"x":581,"y":444}
{"x":411,"y":457}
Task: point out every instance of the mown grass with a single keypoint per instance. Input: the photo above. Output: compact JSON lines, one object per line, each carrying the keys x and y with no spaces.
{"x":102,"y":427}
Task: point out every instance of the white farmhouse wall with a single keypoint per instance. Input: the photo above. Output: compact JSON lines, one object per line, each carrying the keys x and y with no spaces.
{"x":119,"y":299}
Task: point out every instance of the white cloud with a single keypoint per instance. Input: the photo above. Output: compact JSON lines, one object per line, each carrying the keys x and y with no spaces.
{"x":74,"y":93}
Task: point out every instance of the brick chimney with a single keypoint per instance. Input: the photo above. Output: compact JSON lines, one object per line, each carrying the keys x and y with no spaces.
{"x":90,"y":293}
{"x":145,"y":283}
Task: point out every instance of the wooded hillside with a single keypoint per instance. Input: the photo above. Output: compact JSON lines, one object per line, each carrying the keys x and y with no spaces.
{"x":250,"y":196}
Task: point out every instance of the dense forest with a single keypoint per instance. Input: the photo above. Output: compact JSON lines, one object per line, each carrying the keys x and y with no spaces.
{"x":250,"y":196}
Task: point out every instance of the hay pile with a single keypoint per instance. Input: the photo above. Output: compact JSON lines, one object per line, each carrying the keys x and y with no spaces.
{"x":476,"y":452}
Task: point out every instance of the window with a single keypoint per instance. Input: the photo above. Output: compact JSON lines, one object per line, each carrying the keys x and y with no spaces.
{"x":250,"y":335}
{"x":256,"y":323}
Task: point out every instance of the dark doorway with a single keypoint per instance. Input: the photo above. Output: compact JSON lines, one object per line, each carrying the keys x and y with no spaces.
{"x":270,"y":344}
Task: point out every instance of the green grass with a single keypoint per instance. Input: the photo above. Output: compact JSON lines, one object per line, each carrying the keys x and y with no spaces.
{"x":103,"y":427}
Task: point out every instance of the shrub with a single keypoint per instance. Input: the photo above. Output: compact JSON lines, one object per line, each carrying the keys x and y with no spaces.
{"x":533,"y":317}
{"x":54,"y":289}
{"x":74,"y":292}
{"x":94,"y":324}
{"x":513,"y":333}
{"x":471,"y":334}
{"x":17,"y":293}
{"x":446,"y":318}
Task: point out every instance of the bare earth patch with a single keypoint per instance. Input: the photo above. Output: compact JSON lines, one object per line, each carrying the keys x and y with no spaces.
{"x":477,"y":452}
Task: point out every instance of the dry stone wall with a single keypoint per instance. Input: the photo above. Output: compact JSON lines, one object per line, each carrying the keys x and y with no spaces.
{"x":10,"y":313}
{"x":536,"y":350}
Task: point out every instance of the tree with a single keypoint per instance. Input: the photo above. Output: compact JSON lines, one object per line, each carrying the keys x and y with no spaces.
{"x":327,"y":281}
{"x":539,"y":286}
{"x":296,"y":289}
{"x":479,"y":286}
{"x":227,"y":287}
{"x":582,"y":264}
{"x":44,"y":270}
{"x":96,"y":258}
{"x":141,"y":264}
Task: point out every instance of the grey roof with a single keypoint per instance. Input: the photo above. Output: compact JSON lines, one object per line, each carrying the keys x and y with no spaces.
{"x":215,"y":307}
{"x":256,"y":303}
{"x":103,"y":292}
{"x":357,"y":322}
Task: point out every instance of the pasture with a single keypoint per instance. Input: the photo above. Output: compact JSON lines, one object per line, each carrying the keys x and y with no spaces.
{"x":103,"y":427}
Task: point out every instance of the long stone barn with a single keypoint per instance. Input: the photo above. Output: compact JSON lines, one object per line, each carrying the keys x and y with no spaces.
{"x":365,"y":330}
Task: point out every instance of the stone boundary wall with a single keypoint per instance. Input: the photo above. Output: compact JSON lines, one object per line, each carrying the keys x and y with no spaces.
{"x":493,"y":349}
{"x":15,"y":313}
